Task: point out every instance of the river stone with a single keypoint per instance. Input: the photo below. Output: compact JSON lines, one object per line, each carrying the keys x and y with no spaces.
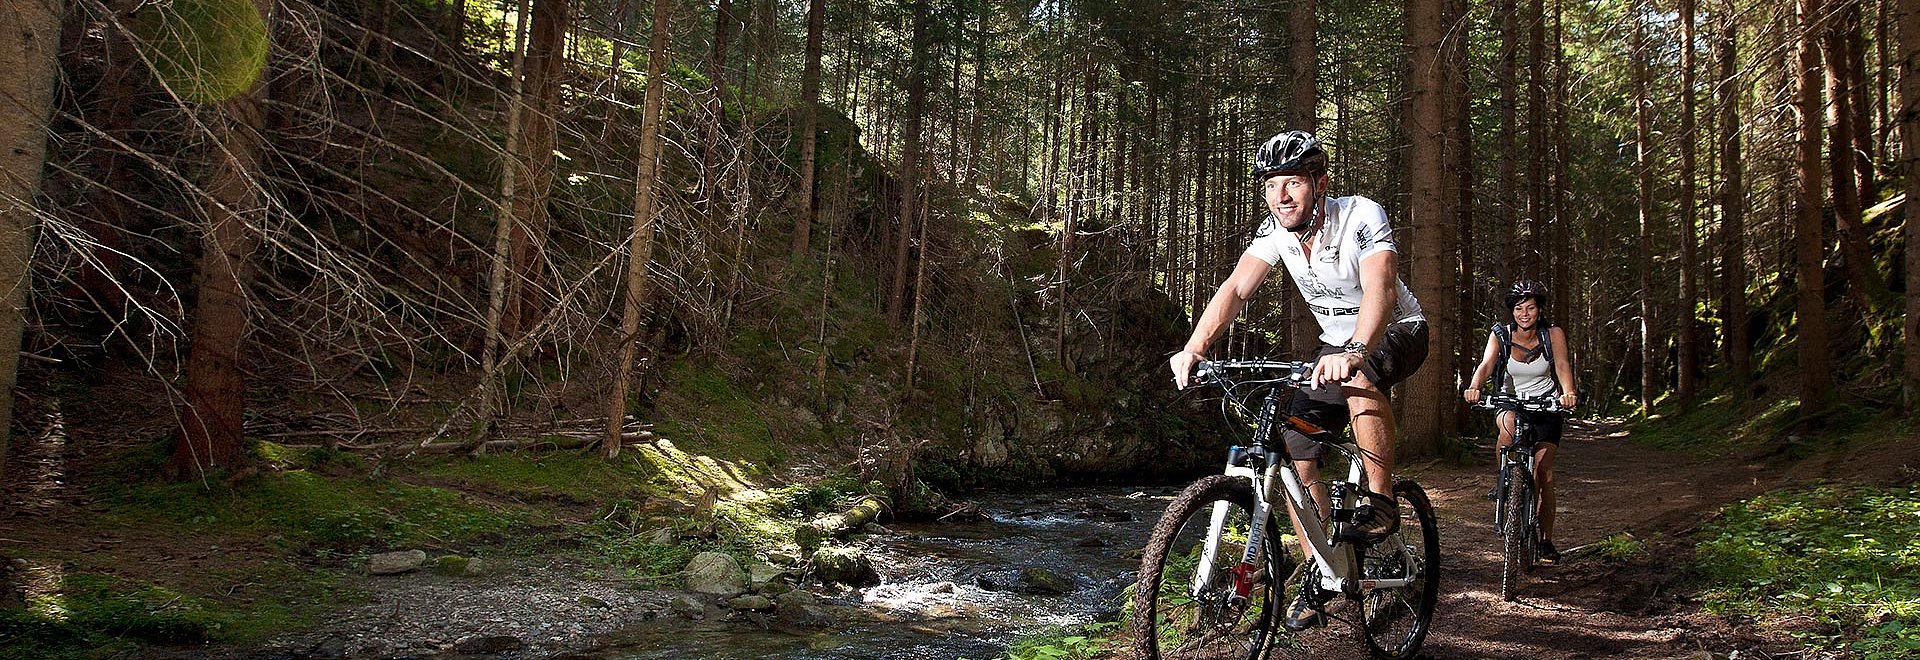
{"x":941,"y":588}
{"x":715,"y":573}
{"x":845,"y":566}
{"x":688,"y":606}
{"x":750,"y":602}
{"x":796,"y":598}
{"x":593,"y":601}
{"x":783,"y":558}
{"x":1040,"y":581}
{"x":761,"y":574}
{"x":450,"y":565}
{"x":395,"y":563}
{"x":488,"y":644}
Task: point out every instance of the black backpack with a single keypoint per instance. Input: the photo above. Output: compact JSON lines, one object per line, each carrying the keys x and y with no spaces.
{"x":1504,"y":333}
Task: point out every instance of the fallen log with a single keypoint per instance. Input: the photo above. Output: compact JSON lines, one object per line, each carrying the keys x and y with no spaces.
{"x":836,"y":525}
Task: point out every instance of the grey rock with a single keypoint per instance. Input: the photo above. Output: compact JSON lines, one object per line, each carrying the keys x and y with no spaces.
{"x":395,"y":563}
{"x":1040,"y":581}
{"x":715,"y":573}
{"x":876,"y":530}
{"x":941,"y":588}
{"x":796,"y":598}
{"x":803,"y":619}
{"x":750,"y":602}
{"x":760,"y":574}
{"x":488,"y":644}
{"x":783,"y":558}
{"x":591,"y":601}
{"x":844,"y":566}
{"x":688,"y":606}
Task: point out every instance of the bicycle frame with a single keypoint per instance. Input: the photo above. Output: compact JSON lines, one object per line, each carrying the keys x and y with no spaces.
{"x":1337,"y":562}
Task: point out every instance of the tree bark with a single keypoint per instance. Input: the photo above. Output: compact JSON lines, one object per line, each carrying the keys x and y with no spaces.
{"x":1506,"y":163}
{"x":1686,"y":355}
{"x":1304,"y":109}
{"x":910,"y":163}
{"x":1861,"y":280}
{"x":545,"y":59}
{"x":1649,"y":355}
{"x":29,"y":53}
{"x":1733,"y":211}
{"x":640,"y":244}
{"x":809,"y":126}
{"x":1429,"y":130}
{"x":1538,"y":133}
{"x":499,"y":287}
{"x":211,"y":421}
{"x":1815,"y":376}
{"x":1907,"y":116}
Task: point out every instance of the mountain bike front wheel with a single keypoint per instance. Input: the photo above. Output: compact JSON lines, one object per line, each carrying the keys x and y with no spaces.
{"x":1193,"y":604}
{"x":1394,"y":620}
{"x":1516,"y":518}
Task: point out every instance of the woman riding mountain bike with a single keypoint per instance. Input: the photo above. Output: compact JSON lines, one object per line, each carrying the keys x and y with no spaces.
{"x":1527,"y":358}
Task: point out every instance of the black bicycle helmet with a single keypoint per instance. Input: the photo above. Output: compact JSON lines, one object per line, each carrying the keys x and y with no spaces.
{"x":1293,"y":152}
{"x":1524,"y":289}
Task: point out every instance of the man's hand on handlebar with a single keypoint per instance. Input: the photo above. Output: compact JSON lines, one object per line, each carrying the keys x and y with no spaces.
{"x":1182,"y":365}
{"x":1336,"y":368}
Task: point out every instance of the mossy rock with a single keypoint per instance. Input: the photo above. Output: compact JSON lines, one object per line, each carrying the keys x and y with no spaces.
{"x":206,"y":51}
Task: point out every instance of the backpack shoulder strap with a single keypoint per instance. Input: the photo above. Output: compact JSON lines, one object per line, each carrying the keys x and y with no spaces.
{"x":1504,"y":335}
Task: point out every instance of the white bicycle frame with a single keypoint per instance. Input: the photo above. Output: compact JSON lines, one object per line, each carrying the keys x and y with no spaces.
{"x":1336,"y":562}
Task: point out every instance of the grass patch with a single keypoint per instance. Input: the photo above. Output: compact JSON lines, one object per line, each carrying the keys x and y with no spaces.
{"x":1846,"y":556}
{"x":90,"y":615}
{"x":1069,"y":643}
{"x":1619,"y":546}
{"x":578,"y":476}
{"x":301,"y":510}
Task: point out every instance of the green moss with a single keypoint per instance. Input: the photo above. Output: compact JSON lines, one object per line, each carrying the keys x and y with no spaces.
{"x":578,"y":476}
{"x":206,"y":51}
{"x":308,"y":511}
{"x":90,"y":615}
{"x":1848,"y":556}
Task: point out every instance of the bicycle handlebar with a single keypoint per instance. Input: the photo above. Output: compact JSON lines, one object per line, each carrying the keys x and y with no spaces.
{"x":1210,"y":371}
{"x":1545,"y":404}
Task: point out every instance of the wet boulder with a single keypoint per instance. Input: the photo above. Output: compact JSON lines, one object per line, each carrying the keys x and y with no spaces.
{"x":844,"y":565}
{"x":751,"y":602}
{"x":715,"y":573}
{"x":1042,"y":582}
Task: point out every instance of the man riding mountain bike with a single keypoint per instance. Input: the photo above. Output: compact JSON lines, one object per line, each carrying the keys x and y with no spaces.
{"x":1341,"y":255}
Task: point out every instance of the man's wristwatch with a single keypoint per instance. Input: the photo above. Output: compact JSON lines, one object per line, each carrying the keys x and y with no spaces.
{"x":1357,"y":347}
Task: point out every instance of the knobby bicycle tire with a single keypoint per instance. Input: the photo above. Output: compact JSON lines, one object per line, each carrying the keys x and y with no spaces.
{"x":1167,"y":622}
{"x":1394,"y":622}
{"x":1515,"y":519}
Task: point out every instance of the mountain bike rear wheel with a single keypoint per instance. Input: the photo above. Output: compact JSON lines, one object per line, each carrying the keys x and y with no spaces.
{"x":1176,"y":619}
{"x":1394,"y":621}
{"x":1515,"y":519}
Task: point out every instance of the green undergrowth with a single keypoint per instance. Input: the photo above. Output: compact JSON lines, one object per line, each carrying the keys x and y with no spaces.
{"x":1845,"y":556}
{"x":1727,"y":425}
{"x":91,"y":615}
{"x":307,"y":511}
{"x":1079,"y":642}
{"x":579,"y":476}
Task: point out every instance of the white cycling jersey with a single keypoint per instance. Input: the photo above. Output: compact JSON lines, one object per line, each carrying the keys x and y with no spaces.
{"x":1356,"y":228}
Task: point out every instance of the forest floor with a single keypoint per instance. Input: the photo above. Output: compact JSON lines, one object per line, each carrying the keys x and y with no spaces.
{"x":1627,"y":514}
{"x":1608,"y":598}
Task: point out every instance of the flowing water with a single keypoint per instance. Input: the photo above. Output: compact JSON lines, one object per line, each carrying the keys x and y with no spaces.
{"x":951,"y":590}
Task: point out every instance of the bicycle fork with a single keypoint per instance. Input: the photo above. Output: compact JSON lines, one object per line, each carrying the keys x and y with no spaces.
{"x":1249,"y":566}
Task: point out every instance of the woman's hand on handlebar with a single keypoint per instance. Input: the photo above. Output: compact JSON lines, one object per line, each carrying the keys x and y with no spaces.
{"x":1568,"y":400}
{"x":1182,"y":365}
{"x":1472,"y":395}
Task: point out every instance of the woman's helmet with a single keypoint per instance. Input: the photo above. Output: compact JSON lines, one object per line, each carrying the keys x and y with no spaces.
{"x":1293,"y":152}
{"x":1524,"y":289}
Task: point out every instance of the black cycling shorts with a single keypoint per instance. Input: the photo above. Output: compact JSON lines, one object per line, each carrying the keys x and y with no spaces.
{"x":1547,"y":427}
{"x":1399,"y":354}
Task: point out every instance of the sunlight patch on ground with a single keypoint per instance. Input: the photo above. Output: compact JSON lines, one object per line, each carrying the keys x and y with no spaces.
{"x":42,"y":589}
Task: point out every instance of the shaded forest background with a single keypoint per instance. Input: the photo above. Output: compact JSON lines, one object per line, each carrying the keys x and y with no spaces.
{"x":952,"y":239}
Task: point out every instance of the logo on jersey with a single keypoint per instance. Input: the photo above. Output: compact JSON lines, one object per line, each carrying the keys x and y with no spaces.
{"x":1330,"y":254}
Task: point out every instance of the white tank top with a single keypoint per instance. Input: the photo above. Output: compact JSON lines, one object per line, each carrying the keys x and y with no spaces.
{"x":1529,"y":379}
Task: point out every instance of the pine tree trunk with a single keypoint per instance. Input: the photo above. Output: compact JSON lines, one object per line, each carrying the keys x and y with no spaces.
{"x":809,"y":126}
{"x":1507,"y":160}
{"x":1460,"y":89}
{"x":1538,"y":133}
{"x":211,"y":434}
{"x":500,"y":288}
{"x":1815,"y":379}
{"x":1689,"y":269}
{"x":545,"y":60}
{"x":1907,"y":22}
{"x":1861,"y":282}
{"x":1649,"y":354}
{"x":29,"y":53}
{"x":910,"y":163}
{"x":1733,"y":211}
{"x":640,"y":244}
{"x":1304,"y":109}
{"x":1430,"y":208}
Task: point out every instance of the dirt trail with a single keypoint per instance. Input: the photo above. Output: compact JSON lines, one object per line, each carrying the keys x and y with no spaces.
{"x":1587,"y":607}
